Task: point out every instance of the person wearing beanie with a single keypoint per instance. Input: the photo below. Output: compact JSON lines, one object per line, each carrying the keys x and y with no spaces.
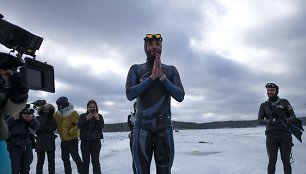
{"x":276,"y":113}
{"x":67,"y":119}
{"x":153,"y":84}
{"x":45,"y":142}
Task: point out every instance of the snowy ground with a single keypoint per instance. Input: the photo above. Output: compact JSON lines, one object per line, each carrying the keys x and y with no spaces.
{"x":227,"y":151}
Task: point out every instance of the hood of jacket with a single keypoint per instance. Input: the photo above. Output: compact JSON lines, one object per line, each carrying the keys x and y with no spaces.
{"x":66,"y":111}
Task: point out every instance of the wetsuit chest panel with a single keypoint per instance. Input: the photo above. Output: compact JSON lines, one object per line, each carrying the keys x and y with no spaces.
{"x":280,"y":109}
{"x":154,"y":98}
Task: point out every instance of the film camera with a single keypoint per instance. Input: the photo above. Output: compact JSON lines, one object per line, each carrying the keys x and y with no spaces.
{"x":34,"y":74}
{"x":30,"y":108}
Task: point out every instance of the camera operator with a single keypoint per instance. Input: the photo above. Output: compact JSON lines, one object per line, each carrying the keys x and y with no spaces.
{"x":13,"y":97}
{"x":19,"y":142}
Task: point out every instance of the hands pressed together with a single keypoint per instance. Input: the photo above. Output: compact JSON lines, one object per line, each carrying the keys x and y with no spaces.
{"x":157,"y":72}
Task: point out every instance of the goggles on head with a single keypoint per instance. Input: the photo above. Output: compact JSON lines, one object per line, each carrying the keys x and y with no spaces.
{"x":151,"y":37}
{"x":271,"y":85}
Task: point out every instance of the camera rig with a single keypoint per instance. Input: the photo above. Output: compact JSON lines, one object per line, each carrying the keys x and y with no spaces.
{"x":30,"y":108}
{"x":34,"y":74}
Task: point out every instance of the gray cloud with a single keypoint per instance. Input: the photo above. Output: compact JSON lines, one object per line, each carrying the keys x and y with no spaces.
{"x":217,"y":88}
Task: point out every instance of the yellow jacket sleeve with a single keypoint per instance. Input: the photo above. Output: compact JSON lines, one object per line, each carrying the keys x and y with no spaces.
{"x":74,"y":119}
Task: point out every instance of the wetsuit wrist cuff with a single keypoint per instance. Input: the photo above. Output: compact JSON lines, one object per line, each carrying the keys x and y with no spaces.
{"x":162,"y":78}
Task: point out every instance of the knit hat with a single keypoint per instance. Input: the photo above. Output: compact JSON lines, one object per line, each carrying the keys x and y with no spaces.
{"x":62,"y":101}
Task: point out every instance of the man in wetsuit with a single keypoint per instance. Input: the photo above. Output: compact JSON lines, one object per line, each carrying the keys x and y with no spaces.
{"x":276,"y":113}
{"x":153,"y":84}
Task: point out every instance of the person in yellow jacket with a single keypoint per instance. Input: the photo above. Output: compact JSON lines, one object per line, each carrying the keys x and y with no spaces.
{"x":66,"y":119}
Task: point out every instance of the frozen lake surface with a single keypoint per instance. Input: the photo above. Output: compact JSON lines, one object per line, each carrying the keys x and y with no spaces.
{"x":210,"y":151}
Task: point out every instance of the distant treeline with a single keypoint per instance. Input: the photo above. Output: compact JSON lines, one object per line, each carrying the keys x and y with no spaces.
{"x":121,"y":127}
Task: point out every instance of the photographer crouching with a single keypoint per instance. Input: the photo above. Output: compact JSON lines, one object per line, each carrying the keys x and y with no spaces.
{"x":13,"y":97}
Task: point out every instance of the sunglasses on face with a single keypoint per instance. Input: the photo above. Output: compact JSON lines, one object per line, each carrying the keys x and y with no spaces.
{"x":151,"y":37}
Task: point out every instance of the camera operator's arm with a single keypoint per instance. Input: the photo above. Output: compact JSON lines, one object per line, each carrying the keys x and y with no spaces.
{"x":11,"y":120}
{"x":16,"y":93}
{"x":31,"y":119}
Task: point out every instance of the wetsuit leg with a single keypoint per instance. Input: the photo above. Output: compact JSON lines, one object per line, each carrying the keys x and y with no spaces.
{"x":164,"y":151}
{"x":142,"y":150}
{"x":131,"y":147}
{"x":285,"y":150}
{"x":272,"y":145}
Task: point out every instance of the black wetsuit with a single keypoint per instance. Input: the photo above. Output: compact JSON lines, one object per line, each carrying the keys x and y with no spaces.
{"x":278,"y":136}
{"x":153,"y":131}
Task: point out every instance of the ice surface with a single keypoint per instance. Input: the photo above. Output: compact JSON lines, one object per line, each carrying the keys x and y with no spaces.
{"x":209,"y":151}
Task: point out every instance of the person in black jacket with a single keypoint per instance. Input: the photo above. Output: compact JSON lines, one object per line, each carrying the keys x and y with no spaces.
{"x":91,"y":124}
{"x":276,"y":114}
{"x":20,"y":146}
{"x":45,"y":142}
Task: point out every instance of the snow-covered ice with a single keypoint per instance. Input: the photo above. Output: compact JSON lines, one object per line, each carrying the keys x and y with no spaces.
{"x":209,"y":151}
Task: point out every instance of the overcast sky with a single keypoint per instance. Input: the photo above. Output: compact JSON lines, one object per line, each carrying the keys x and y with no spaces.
{"x":225,"y":51}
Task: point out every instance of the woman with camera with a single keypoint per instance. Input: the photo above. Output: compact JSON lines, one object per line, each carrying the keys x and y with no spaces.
{"x":91,"y":124}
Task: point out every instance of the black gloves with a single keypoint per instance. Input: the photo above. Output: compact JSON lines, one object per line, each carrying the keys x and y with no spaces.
{"x":282,"y":121}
